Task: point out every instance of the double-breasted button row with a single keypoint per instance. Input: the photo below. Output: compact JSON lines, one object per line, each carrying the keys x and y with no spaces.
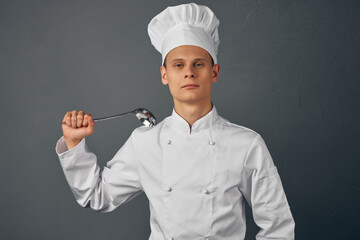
{"x":205,"y":190}
{"x":211,"y":142}
{"x":204,"y":238}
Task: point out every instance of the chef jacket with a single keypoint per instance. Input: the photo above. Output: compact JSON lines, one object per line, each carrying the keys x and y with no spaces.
{"x":196,"y":179}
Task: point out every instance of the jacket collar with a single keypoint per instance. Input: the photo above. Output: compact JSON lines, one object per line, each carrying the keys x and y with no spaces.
{"x":180,"y":124}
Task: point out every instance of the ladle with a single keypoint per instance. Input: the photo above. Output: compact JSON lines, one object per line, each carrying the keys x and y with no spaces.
{"x":144,"y":115}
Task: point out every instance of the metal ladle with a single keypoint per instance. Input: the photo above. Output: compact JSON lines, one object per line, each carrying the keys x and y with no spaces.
{"x":144,"y":115}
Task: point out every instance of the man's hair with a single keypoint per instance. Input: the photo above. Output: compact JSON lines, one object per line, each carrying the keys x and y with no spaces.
{"x":212,"y":61}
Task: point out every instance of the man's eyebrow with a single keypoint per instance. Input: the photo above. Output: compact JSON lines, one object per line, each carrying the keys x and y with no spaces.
{"x":196,"y":59}
{"x":177,"y":59}
{"x":200,"y":59}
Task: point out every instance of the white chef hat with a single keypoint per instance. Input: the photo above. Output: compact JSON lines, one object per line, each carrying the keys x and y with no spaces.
{"x":186,"y":24}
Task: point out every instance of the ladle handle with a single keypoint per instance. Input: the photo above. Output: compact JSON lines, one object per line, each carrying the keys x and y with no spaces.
{"x":111,"y":117}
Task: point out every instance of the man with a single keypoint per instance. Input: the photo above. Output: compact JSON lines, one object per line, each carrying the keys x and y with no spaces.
{"x":195,"y":167}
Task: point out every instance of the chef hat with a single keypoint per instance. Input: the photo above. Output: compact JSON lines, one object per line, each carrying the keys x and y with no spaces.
{"x":186,"y":24}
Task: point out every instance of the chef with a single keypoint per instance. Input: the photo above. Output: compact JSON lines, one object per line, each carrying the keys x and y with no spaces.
{"x":196,"y":168}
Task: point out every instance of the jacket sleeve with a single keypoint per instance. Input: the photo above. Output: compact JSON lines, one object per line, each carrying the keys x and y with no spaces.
{"x":263,"y":190}
{"x":102,"y":190}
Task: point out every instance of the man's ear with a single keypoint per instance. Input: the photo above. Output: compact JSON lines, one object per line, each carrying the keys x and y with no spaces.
{"x":215,"y":72}
{"x":163,"y":75}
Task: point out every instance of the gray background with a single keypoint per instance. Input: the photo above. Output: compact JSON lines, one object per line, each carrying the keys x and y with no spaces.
{"x":290,"y":71}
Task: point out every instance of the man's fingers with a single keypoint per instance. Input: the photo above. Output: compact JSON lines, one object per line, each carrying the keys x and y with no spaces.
{"x":91,"y":124}
{"x":80,"y":118}
{"x":91,"y":121}
{"x":76,"y":125}
{"x":77,"y":119}
{"x":86,"y":120}
{"x":67,"y":119}
{"x":73,"y":118}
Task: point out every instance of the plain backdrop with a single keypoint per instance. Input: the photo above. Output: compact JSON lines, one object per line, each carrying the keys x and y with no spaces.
{"x":289,"y":71}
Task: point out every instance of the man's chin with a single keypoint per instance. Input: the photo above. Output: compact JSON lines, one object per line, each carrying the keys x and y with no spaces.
{"x":192,"y":100}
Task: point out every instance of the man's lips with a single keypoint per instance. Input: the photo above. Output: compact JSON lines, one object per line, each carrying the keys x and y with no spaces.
{"x":190,"y":86}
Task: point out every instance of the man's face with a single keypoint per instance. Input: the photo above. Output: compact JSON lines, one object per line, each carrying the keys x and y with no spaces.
{"x":189,"y":73}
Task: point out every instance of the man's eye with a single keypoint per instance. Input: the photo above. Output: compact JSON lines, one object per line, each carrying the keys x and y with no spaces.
{"x":178,"y":65}
{"x":199,"y":64}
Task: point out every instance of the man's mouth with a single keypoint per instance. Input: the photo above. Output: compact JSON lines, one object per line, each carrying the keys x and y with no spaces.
{"x":190,"y":86}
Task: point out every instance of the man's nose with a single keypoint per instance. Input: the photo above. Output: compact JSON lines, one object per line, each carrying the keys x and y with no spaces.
{"x":190,"y":72}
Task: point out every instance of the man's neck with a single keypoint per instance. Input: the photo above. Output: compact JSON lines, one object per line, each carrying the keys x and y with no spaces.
{"x":192,"y":112}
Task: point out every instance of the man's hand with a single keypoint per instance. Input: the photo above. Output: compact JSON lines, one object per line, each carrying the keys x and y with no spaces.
{"x":75,"y":126}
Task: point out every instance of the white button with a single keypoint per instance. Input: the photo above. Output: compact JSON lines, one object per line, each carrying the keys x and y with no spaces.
{"x":169,"y":142}
{"x":168,"y":189}
{"x":212,"y":143}
{"x":206,"y":191}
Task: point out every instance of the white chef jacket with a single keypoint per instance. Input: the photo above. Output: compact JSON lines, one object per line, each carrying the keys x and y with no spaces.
{"x":196,"y":180}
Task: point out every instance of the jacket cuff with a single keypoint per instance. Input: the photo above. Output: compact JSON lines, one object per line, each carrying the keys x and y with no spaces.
{"x":62,"y":151}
